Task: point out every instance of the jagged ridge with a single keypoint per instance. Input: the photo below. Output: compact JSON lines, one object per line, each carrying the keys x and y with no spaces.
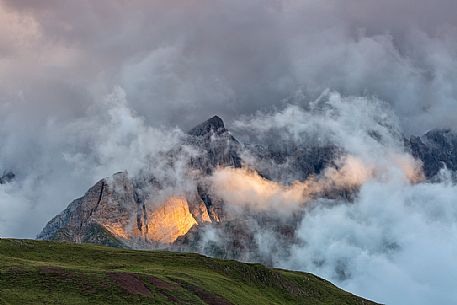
{"x":116,"y":211}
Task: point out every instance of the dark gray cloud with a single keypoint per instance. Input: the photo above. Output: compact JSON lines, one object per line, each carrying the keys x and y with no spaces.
{"x":233,"y":57}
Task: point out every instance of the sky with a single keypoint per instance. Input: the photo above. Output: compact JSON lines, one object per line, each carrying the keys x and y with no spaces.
{"x":89,"y":88}
{"x":226,"y":57}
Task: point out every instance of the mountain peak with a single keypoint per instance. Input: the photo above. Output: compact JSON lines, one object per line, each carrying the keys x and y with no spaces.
{"x":213,"y":124}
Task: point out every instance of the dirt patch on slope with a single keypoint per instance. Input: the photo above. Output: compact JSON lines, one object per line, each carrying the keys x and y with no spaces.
{"x":160,"y":284}
{"x":130,"y":282}
{"x":206,"y":296}
{"x":165,"y":289}
{"x":53,"y":270}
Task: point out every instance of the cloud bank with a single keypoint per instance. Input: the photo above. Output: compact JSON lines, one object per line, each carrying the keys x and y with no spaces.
{"x":228,"y":57}
{"x":395,"y":241}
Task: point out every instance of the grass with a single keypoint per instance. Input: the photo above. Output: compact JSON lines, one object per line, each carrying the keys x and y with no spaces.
{"x":44,"y":272}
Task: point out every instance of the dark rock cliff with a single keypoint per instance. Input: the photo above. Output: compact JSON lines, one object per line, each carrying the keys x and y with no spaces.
{"x":436,"y":149}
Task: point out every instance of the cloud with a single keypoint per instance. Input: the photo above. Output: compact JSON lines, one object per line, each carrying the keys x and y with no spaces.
{"x":380,"y":245}
{"x":64,"y":161}
{"x":394,"y":244}
{"x":232,"y":58}
{"x":244,"y":188}
{"x":361,"y":126}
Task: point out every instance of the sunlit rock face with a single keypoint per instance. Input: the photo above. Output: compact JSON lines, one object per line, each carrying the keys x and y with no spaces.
{"x":171,"y":220}
{"x":111,"y":210}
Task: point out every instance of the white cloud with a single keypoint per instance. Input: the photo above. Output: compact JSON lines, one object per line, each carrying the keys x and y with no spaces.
{"x":394,"y":244}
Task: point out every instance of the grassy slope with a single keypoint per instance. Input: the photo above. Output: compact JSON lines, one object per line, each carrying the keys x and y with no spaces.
{"x":39,"y":272}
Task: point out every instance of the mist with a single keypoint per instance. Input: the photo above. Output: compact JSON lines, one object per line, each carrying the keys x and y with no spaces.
{"x":394,"y":242}
{"x":90,"y":88}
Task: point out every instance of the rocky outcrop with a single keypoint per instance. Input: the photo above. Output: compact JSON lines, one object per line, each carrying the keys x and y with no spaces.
{"x":108,"y":206}
{"x":290,"y":162}
{"x":110,"y":213}
{"x":210,"y":126}
{"x":237,"y":238}
{"x":216,"y":146}
{"x":436,"y":149}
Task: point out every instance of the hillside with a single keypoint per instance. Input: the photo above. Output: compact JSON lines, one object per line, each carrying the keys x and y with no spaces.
{"x":43,"y":272}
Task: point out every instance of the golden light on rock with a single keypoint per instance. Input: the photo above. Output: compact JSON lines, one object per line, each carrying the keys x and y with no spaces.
{"x":165,"y":223}
{"x":241,"y":188}
{"x":169,"y":221}
{"x":117,"y":230}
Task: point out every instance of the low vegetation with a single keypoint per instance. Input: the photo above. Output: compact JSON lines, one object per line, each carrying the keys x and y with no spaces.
{"x":44,"y":272}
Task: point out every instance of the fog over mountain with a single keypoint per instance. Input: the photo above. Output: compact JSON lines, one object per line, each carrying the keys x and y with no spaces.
{"x":92,"y":88}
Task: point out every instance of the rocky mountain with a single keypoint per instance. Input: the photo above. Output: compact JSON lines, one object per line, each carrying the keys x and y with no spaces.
{"x":217,"y":147}
{"x":436,"y":149}
{"x":290,"y":162}
{"x":140,"y":212}
{"x":123,"y":211}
